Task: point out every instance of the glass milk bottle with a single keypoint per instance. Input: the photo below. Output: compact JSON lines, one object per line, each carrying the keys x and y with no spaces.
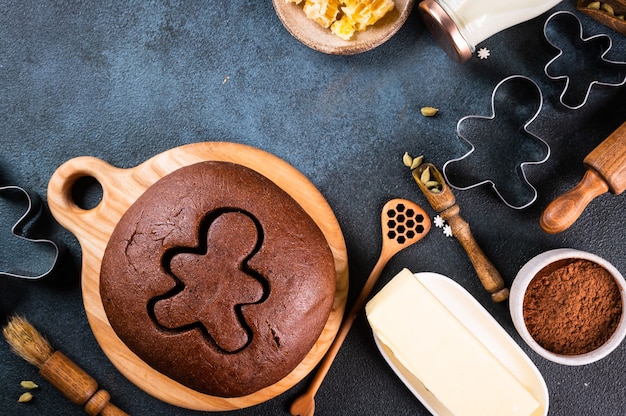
{"x":459,"y":25}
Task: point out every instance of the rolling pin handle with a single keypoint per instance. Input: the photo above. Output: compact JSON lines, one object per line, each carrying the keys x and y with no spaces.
{"x":561,"y":213}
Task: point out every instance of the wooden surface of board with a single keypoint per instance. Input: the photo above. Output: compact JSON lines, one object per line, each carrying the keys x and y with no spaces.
{"x":120,"y":189}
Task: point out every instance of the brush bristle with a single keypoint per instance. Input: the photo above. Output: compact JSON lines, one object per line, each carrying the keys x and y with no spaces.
{"x":27,"y":342}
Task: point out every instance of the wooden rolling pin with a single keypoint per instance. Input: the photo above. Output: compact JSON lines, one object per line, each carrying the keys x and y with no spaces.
{"x":444,"y":203}
{"x":606,"y":171}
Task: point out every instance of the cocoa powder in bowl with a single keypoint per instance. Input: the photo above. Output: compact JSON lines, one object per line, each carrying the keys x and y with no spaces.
{"x":572,"y":306}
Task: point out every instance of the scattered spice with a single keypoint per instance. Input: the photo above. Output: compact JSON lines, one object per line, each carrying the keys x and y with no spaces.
{"x":411,"y":162}
{"x":416,"y":162}
{"x":424,"y":177}
{"x":25,"y":397}
{"x":608,"y":9}
{"x":27,"y":384}
{"x":430,"y":181}
{"x":605,"y":8}
{"x":407,"y":159}
{"x":483,"y":53}
{"x":572,"y":306}
{"x":429,"y":111}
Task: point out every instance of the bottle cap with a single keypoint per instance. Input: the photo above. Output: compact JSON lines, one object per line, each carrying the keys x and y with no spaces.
{"x":445,"y":31}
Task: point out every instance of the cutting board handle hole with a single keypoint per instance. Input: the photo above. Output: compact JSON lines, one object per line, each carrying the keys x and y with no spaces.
{"x":87,"y":192}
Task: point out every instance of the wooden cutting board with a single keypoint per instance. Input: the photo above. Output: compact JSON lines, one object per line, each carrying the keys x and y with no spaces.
{"x":120,"y":189}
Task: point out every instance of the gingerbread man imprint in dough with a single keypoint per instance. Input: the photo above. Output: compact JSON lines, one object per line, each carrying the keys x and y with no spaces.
{"x":214,"y":300}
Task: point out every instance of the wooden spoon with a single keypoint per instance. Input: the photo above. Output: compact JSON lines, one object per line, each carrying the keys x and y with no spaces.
{"x":403,"y":223}
{"x":444,"y":203}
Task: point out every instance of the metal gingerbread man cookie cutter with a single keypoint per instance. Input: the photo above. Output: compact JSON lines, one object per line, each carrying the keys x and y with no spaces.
{"x":581,"y":61}
{"x":33,"y":258}
{"x":501,"y":146}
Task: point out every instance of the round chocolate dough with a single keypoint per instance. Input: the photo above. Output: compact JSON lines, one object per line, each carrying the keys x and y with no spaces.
{"x":218,"y":279}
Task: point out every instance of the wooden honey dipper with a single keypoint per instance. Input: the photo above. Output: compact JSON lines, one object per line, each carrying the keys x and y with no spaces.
{"x":60,"y":371}
{"x":443,"y":202}
{"x":403,"y":223}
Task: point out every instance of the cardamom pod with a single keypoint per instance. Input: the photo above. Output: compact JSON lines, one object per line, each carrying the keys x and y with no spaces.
{"x":407,"y":159}
{"x":425,"y":176}
{"x":429,"y":111}
{"x":27,"y":384}
{"x":417,"y":162}
{"x":432,"y":184}
{"x":25,"y":397}
{"x":608,"y":9}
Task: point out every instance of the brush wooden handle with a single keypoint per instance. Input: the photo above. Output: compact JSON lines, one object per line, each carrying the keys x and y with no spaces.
{"x":444,"y":203}
{"x":487,"y":273}
{"x":561,"y":213}
{"x":78,"y":386}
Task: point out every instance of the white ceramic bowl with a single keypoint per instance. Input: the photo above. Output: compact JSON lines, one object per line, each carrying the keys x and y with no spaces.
{"x":516,"y":300}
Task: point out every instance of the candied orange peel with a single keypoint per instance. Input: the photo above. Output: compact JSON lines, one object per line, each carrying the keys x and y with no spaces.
{"x":345,"y":17}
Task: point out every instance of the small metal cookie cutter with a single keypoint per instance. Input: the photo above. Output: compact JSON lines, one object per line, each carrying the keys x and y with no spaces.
{"x":36,"y":257}
{"x":580,"y":61}
{"x":501,"y":145}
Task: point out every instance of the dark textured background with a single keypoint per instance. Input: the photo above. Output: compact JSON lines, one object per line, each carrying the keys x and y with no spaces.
{"x":124,"y":81}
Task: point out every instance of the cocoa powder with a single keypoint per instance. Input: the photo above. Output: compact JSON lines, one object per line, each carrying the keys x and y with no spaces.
{"x":572,"y":306}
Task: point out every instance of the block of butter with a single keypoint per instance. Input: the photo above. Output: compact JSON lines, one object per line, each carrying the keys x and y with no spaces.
{"x":435,"y":347}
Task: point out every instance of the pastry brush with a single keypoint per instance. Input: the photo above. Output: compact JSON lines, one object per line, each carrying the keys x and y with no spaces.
{"x":60,"y":371}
